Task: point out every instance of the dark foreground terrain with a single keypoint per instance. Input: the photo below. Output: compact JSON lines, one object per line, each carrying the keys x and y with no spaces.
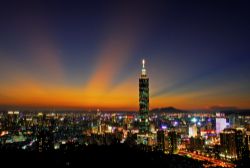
{"x":87,"y":156}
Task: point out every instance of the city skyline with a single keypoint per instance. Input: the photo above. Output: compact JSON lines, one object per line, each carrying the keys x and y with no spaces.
{"x":87,"y":55}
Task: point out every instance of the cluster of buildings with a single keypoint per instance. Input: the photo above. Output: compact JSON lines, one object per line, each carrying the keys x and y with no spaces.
{"x":218,"y":135}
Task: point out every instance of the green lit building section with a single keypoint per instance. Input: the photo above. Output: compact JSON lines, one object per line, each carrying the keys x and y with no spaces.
{"x":143,"y":101}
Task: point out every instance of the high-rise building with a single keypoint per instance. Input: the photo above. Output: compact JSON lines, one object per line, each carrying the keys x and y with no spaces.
{"x":143,"y":101}
{"x":192,"y":131}
{"x":233,"y":143}
{"x":247,"y":145}
{"x":227,"y":143}
{"x":241,"y":144}
{"x":197,"y":143}
{"x":221,"y":124}
{"x":161,"y":140}
{"x":173,"y":142}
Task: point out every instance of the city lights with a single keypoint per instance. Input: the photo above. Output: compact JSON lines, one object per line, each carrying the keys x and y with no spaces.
{"x":194,"y":120}
{"x":125,"y":84}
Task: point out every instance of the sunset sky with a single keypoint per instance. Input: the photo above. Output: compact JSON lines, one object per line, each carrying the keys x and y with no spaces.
{"x":88,"y":54}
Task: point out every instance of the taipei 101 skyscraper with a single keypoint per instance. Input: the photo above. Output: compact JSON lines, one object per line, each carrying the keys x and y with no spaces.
{"x":143,"y":101}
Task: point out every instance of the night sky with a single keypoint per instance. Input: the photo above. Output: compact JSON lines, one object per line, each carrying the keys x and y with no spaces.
{"x":87,"y":54}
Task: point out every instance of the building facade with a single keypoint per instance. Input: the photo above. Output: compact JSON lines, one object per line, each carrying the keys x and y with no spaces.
{"x":143,"y":101}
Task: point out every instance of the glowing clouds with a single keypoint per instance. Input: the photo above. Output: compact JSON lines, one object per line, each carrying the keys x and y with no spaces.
{"x":114,"y":54}
{"x":45,"y":55}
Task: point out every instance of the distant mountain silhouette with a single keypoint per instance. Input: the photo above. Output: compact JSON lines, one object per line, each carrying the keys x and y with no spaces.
{"x":225,"y":108}
{"x":167,"y":110}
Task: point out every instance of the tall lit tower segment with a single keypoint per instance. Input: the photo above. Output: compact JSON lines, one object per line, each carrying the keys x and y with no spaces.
{"x":143,"y":100}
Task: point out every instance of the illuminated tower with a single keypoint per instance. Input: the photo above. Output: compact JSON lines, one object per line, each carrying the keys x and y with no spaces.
{"x":143,"y":100}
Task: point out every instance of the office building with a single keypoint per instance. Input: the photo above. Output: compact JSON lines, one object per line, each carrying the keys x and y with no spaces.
{"x":143,"y":101}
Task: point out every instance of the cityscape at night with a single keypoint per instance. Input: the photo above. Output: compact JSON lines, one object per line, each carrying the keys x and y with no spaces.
{"x":125,"y":83}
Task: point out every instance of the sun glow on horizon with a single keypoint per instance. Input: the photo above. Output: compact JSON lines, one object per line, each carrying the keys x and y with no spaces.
{"x":48,"y":61}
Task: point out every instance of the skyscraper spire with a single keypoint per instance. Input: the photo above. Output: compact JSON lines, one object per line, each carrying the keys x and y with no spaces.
{"x":143,"y":71}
